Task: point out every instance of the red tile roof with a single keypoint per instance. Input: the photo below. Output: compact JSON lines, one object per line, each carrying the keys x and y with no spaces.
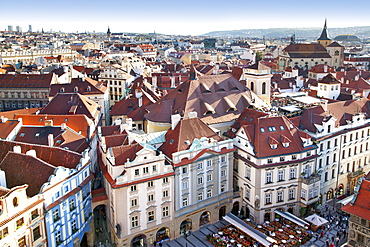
{"x":23,"y":169}
{"x":25,"y":81}
{"x":267,"y":131}
{"x":361,"y":205}
{"x":126,"y":152}
{"x":52,"y":155}
{"x":7,"y":127}
{"x":87,"y":86}
{"x":183,"y":135}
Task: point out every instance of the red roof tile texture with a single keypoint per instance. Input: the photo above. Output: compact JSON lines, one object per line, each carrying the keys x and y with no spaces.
{"x":361,"y":205}
{"x":25,"y":81}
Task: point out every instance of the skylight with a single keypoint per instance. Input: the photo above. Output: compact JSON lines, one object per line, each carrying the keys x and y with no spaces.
{"x":272,"y":128}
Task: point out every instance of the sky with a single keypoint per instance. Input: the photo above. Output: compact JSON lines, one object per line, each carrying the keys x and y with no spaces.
{"x":192,"y":17}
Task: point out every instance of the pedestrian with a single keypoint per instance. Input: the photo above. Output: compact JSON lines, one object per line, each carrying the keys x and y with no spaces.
{"x":327,"y":243}
{"x":322,"y":234}
{"x":332,"y":238}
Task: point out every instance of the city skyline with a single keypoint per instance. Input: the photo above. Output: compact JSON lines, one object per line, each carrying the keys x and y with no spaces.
{"x":190,"y":18}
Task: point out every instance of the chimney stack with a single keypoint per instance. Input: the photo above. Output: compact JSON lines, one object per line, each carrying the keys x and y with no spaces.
{"x":50,"y":140}
{"x":31,"y":152}
{"x":175,"y":119}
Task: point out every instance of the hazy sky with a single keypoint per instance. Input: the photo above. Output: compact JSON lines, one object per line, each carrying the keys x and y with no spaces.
{"x":181,"y":17}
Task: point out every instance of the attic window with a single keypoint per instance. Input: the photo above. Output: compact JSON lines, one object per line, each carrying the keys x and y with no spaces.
{"x":208,"y":113}
{"x":262,"y":130}
{"x":66,"y":120}
{"x":58,"y":141}
{"x":37,"y":134}
{"x":221,"y":90}
{"x":281,"y":127}
{"x":61,"y":90}
{"x":75,"y":89}
{"x":272,"y":128}
{"x":273,"y":146}
{"x":286,"y":144}
{"x":171,"y":141}
{"x":251,"y":119}
{"x":22,"y":135}
{"x":231,"y":109}
{"x":40,"y":119}
{"x":180,"y":90}
{"x":245,"y":118}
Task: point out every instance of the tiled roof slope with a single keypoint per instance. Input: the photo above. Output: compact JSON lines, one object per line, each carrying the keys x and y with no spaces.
{"x":361,"y":206}
{"x":122,"y":153}
{"x":7,"y":127}
{"x":25,"y":81}
{"x":71,"y":103}
{"x":52,"y":155}
{"x":23,"y":169}
{"x":267,"y":131}
{"x":183,"y":135}
{"x":86,"y":86}
{"x":342,"y":111}
{"x":216,"y":98}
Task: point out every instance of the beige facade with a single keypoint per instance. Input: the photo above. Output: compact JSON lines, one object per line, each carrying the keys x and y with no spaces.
{"x":22,"y":218}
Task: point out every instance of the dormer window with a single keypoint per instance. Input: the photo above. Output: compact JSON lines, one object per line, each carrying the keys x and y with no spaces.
{"x":262,"y":130}
{"x":62,"y":90}
{"x":75,"y":89}
{"x":286,"y":144}
{"x":271,"y":128}
{"x":273,"y":146}
{"x":89,"y":89}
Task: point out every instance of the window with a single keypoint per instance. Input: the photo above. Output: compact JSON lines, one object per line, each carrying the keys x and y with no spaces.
{"x":328,"y":145}
{"x":133,"y":202}
{"x":336,"y":142}
{"x":291,"y":194}
{"x":262,"y":130}
{"x":20,"y":223}
{"x":151,"y":216}
{"x":272,"y":128}
{"x":209,"y":163}
{"x":327,"y":160}
{"x":209,"y":193}
{"x":326,"y":176}
{"x":281,"y":175}
{"x":150,"y":184}
{"x":280,"y":196}
{"x":294,"y":157}
{"x":200,"y":166}
{"x":320,"y":163}
{"x":268,"y":199}
{"x":165,"y":211}
{"x":268,"y":177}
{"x":332,"y":173}
{"x":22,"y":242}
{"x":74,"y":226}
{"x":321,"y":147}
{"x":133,"y":188}
{"x":247,"y":193}
{"x":200,"y":196}
{"x":184,"y":201}
{"x":303,"y":194}
{"x":209,"y":177}
{"x":334,"y":157}
{"x":223,"y":159}
{"x":165,"y":180}
{"x":137,"y":172}
{"x":223,"y":188}
{"x":134,"y":221}
{"x":223,"y":173}
{"x":35,"y":214}
{"x":4,"y":232}
{"x":72,"y":205}
{"x":292,"y":173}
{"x":184,"y":170}
{"x":145,"y":170}
{"x":184,"y":185}
{"x":248,"y":173}
{"x":150,"y":198}
{"x":200,"y":180}
{"x":58,"y":237}
{"x":269,"y":161}
{"x":36,"y":233}
{"x":56,"y":215}
{"x":165,"y":193}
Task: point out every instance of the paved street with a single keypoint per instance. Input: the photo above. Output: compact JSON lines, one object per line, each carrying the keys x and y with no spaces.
{"x":101,"y":234}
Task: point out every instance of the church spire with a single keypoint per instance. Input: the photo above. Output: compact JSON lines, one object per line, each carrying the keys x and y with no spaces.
{"x":324,"y":33}
{"x":108,"y":33}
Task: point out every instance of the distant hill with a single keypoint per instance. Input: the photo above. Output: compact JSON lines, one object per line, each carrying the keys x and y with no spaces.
{"x":308,"y":33}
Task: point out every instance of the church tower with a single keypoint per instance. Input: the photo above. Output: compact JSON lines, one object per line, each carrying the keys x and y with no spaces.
{"x":108,"y":34}
{"x":324,"y":39}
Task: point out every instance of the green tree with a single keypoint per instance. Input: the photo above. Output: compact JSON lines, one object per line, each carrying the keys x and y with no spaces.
{"x":258,"y":56}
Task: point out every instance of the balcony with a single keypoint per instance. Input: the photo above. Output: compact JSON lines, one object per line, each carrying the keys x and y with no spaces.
{"x":357,"y":173}
{"x":313,"y":178}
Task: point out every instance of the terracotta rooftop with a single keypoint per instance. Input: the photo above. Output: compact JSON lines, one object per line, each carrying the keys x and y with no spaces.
{"x":126,"y":152}
{"x":25,"y":81}
{"x":23,"y":169}
{"x":183,"y":135}
{"x":360,"y":206}
{"x":86,"y":86}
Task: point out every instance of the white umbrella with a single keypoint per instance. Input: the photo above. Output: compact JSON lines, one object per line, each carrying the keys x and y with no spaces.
{"x":316,"y":220}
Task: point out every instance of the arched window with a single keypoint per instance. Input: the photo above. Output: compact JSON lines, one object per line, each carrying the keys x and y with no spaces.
{"x":264,"y":88}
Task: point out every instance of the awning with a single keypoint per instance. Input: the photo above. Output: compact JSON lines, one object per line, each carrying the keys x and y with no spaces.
{"x":255,"y":234}
{"x":316,"y":220}
{"x":292,"y":218}
{"x":346,"y":200}
{"x":290,"y":108}
{"x":307,"y":100}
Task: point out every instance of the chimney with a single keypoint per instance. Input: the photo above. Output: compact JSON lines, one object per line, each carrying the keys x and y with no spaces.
{"x":31,"y":152}
{"x":325,"y":68}
{"x":50,"y":140}
{"x":193,"y":73}
{"x":140,"y":101}
{"x":154,"y":82}
{"x":63,"y":126}
{"x":175,"y":119}
{"x":193,"y":114}
{"x":2,"y":179}
{"x":17,"y":149}
{"x":342,"y":80}
{"x":173,"y":84}
{"x":324,"y":105}
{"x":3,"y":119}
{"x":180,"y":79}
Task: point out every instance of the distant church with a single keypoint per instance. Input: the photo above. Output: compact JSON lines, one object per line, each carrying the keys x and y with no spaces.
{"x":305,"y":56}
